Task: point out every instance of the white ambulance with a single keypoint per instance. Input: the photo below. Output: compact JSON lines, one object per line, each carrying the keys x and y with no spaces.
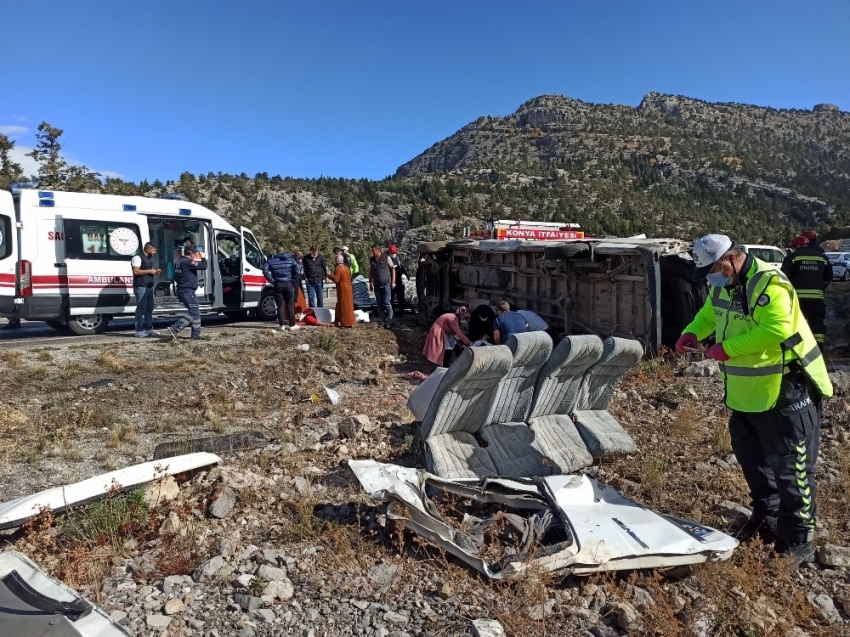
{"x":65,"y":258}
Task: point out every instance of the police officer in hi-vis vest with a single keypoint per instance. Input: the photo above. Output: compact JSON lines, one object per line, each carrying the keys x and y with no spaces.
{"x":773,"y":373}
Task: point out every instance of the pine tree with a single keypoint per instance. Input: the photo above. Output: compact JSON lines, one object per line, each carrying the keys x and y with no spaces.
{"x":10,"y":171}
{"x":52,"y":168}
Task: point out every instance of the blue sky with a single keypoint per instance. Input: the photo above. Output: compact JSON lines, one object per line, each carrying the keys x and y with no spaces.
{"x":354,"y":89}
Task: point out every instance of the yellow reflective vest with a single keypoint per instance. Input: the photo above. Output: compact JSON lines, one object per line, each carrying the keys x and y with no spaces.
{"x":354,"y":267}
{"x":761,"y":328}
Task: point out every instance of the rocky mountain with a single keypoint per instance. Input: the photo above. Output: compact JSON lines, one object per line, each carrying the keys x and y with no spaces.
{"x":673,"y":166}
{"x":783,"y":166}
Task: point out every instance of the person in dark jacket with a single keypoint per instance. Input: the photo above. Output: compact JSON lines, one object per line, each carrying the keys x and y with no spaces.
{"x":186,"y":282}
{"x":398,"y":291}
{"x":315,"y":272}
{"x":283,"y":272}
{"x":810,"y":272}
{"x":382,"y":281}
{"x":481,"y":323}
{"x":143,"y":282}
{"x":507,"y":322}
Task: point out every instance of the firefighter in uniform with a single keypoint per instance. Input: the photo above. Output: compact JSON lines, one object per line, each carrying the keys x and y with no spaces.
{"x":809,"y":271}
{"x":772,"y":372}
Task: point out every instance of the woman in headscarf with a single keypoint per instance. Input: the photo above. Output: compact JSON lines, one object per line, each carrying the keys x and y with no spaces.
{"x":443,"y":336}
{"x":344,"y":315}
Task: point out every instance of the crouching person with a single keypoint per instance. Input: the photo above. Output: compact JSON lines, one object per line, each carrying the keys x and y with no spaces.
{"x":186,"y":281}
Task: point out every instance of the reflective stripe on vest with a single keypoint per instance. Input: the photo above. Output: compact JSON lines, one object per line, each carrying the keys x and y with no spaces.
{"x":732,"y":370}
{"x":810,"y":258}
{"x":718,"y":302}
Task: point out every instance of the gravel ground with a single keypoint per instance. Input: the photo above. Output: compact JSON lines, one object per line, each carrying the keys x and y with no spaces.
{"x":280,"y":540}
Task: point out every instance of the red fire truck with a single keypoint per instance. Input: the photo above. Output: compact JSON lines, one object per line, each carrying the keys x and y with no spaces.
{"x":502,"y":229}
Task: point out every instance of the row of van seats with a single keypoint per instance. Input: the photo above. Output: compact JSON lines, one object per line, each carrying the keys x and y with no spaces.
{"x":523,"y":409}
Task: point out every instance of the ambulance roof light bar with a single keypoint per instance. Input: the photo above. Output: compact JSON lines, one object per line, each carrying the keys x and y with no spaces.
{"x":18,"y":186}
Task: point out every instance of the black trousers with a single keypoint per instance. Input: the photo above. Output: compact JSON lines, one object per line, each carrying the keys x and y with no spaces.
{"x":777,"y":450}
{"x":284,"y":294}
{"x":451,"y":355}
{"x":814,"y":311}
{"x":397,"y":297}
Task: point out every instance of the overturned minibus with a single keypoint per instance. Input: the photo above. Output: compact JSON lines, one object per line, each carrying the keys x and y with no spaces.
{"x":632,"y":287}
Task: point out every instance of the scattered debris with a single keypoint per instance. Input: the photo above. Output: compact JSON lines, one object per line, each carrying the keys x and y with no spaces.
{"x":17,"y":511}
{"x":211,"y":444}
{"x":564,"y":523}
{"x":103,"y":382}
{"x":333,"y":396}
{"x":33,"y":603}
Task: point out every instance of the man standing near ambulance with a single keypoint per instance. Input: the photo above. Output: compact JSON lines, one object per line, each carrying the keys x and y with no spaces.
{"x":773,"y":374}
{"x":186,"y":282}
{"x":143,"y":274}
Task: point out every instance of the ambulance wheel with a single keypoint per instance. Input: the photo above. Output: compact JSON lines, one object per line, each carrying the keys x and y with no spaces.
{"x":87,"y":324}
{"x":267,"y":307}
{"x":56,"y":325}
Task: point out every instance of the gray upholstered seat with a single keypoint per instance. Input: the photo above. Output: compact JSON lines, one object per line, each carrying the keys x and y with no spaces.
{"x":598,"y":428}
{"x":459,"y":409}
{"x":514,"y":452}
{"x":463,"y":398}
{"x":602,"y":434}
{"x":560,"y":378}
{"x":458,"y":456}
{"x":557,"y":438}
{"x":514,"y":393}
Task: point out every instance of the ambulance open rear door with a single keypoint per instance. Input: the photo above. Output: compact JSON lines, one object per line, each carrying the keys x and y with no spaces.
{"x":253,"y":260}
{"x":8,"y":253}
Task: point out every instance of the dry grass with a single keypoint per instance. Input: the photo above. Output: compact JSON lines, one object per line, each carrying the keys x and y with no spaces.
{"x":112,"y":360}
{"x":671,"y":440}
{"x":122,"y":434}
{"x":11,"y":357}
{"x":685,"y":423}
{"x":71,"y":368}
{"x":721,"y":441}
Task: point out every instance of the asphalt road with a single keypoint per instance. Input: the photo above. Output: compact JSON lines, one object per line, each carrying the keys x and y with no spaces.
{"x":33,"y":333}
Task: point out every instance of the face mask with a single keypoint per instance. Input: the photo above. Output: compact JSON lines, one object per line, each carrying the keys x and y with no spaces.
{"x":717,"y":280}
